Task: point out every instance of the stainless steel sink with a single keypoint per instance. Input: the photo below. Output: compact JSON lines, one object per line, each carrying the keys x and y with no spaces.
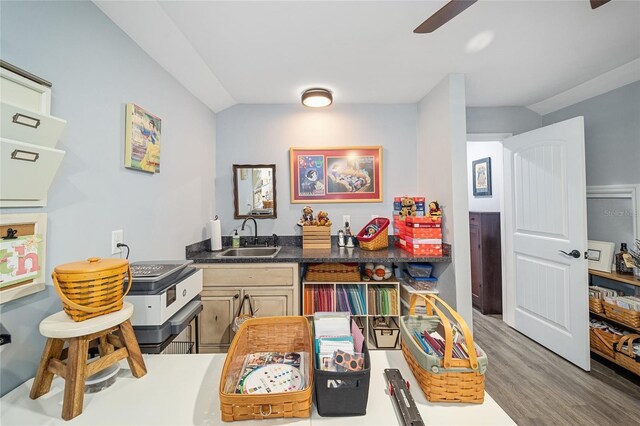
{"x":250,"y":252}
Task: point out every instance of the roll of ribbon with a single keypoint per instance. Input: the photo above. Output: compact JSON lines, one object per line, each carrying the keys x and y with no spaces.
{"x":215,"y":231}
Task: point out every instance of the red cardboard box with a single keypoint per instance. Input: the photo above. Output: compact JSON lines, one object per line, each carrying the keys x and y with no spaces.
{"x":423,"y":232}
{"x":425,"y":249}
{"x":424,"y":222}
{"x":423,"y":241}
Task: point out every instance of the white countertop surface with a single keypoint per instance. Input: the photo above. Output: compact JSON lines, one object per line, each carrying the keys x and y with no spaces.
{"x":183,"y":390}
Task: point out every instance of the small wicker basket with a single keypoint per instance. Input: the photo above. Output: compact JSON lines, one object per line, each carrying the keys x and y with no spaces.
{"x":378,"y":240}
{"x":618,"y":313}
{"x":445,"y":379}
{"x":333,"y":272}
{"x":92,"y":287}
{"x":603,"y":341}
{"x":595,"y":305}
{"x":626,"y":357}
{"x":269,"y":334}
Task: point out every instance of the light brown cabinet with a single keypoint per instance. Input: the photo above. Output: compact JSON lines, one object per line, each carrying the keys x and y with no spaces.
{"x":272,"y":288}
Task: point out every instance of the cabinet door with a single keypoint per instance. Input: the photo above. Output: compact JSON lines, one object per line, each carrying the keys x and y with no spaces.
{"x":218,"y":310}
{"x":269,"y":302}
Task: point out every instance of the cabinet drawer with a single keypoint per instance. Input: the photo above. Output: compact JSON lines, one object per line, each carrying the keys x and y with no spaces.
{"x":28,"y":175}
{"x":23,"y":92}
{"x":249,"y":275}
{"x":28,"y":126}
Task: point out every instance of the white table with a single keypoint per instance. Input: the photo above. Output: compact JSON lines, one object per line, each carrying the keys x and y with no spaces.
{"x":183,"y":390}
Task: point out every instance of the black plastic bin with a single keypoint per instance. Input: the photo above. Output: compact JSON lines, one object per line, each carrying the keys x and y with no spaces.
{"x":343,"y":394}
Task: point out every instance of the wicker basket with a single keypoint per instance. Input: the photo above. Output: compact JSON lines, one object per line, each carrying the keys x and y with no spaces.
{"x":595,"y":305}
{"x":333,"y":272}
{"x":625,"y":316}
{"x":444,"y":379}
{"x":92,"y":287}
{"x":603,"y":341}
{"x":627,"y":358}
{"x":269,"y":334}
{"x":378,"y":240}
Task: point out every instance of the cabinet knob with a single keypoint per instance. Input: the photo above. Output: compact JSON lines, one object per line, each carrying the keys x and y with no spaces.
{"x":235,"y":296}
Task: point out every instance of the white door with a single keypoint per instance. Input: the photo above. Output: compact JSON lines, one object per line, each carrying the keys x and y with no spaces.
{"x":545,"y":214}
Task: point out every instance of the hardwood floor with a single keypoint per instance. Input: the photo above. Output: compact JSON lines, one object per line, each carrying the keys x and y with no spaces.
{"x":537,"y":387}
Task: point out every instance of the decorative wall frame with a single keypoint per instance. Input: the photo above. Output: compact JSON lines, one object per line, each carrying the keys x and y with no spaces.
{"x":600,"y":255}
{"x":142,"y":140}
{"x":22,"y":254}
{"x":351,"y":174}
{"x":481,"y":172}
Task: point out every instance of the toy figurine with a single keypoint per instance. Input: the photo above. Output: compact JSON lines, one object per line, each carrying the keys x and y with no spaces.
{"x":323,"y":219}
{"x":307,"y":218}
{"x":434,"y":210}
{"x":408,"y":208}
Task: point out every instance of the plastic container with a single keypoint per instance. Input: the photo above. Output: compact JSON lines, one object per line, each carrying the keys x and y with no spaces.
{"x":343,"y":393}
{"x":235,"y":240}
{"x":420,"y":270}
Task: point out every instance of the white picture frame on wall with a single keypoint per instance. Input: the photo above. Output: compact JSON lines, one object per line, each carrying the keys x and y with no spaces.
{"x":600,"y":255}
{"x":33,"y":226}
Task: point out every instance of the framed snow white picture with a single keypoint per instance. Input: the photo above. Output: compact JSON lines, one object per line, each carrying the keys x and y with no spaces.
{"x":142,"y":140}
{"x":481,"y":172}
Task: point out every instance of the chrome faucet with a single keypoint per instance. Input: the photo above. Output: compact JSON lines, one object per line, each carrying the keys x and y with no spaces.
{"x":255,"y":228}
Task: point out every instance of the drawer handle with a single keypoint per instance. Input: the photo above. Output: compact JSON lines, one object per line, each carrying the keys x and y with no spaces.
{"x":19,"y":154}
{"x":26,"y":120}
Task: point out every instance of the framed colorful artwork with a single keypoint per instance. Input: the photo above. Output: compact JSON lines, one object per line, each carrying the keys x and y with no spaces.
{"x":22,"y":254}
{"x":142,"y":140}
{"x":481,"y":172}
{"x":350,"y":174}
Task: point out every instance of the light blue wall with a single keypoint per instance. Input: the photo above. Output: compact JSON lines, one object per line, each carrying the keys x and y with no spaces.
{"x":96,"y":69}
{"x":612,"y":134}
{"x":262,"y":134}
{"x":512,"y":119}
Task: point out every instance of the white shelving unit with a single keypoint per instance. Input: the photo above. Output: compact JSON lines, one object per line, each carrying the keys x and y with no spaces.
{"x":369,"y":309}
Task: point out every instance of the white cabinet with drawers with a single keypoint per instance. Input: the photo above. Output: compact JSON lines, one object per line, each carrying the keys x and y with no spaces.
{"x":28,"y":136}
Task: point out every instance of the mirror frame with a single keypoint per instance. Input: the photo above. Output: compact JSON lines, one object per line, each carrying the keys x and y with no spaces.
{"x":236,"y":211}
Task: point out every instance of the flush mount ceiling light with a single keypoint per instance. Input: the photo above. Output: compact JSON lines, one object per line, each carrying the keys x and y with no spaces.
{"x":317,"y":98}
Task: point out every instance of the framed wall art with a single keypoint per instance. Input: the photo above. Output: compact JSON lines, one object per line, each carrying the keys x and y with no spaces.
{"x":481,"y":172}
{"x":22,"y":254}
{"x":336,"y":175}
{"x":142,"y":140}
{"x":600,"y":255}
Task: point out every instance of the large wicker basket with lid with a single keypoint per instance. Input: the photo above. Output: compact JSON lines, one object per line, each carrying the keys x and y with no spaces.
{"x":92,"y":287}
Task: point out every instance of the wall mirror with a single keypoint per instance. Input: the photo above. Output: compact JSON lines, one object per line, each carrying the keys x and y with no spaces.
{"x":254,"y":191}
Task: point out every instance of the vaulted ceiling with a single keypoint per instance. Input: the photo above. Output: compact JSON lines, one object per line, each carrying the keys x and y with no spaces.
{"x":539,"y":54}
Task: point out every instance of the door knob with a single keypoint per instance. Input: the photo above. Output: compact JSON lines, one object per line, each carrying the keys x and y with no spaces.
{"x":572,"y":253}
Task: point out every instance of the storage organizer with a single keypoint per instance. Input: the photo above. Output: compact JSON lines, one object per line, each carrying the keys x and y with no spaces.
{"x":333,"y":272}
{"x":603,"y":341}
{"x":626,"y":357}
{"x":419,"y":270}
{"x":385,"y":332}
{"x":618,"y":313}
{"x":378,"y":240}
{"x":91,"y":287}
{"x":343,"y":393}
{"x":268,"y":334}
{"x":595,"y":305}
{"x":316,"y":237}
{"x":444,"y":379}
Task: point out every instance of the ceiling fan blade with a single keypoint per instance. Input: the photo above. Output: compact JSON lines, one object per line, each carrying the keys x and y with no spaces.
{"x":597,"y":3}
{"x":444,"y":15}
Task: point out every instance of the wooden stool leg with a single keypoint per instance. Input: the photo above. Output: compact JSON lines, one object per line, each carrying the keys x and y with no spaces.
{"x":104,"y":347}
{"x":74,"y":382}
{"x":42,"y":382}
{"x":136,"y":363}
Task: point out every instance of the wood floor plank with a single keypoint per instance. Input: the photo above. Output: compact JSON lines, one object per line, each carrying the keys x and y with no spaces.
{"x":537,"y":387}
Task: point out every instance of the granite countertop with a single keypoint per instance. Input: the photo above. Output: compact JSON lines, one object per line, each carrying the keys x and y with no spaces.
{"x":199,"y":253}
